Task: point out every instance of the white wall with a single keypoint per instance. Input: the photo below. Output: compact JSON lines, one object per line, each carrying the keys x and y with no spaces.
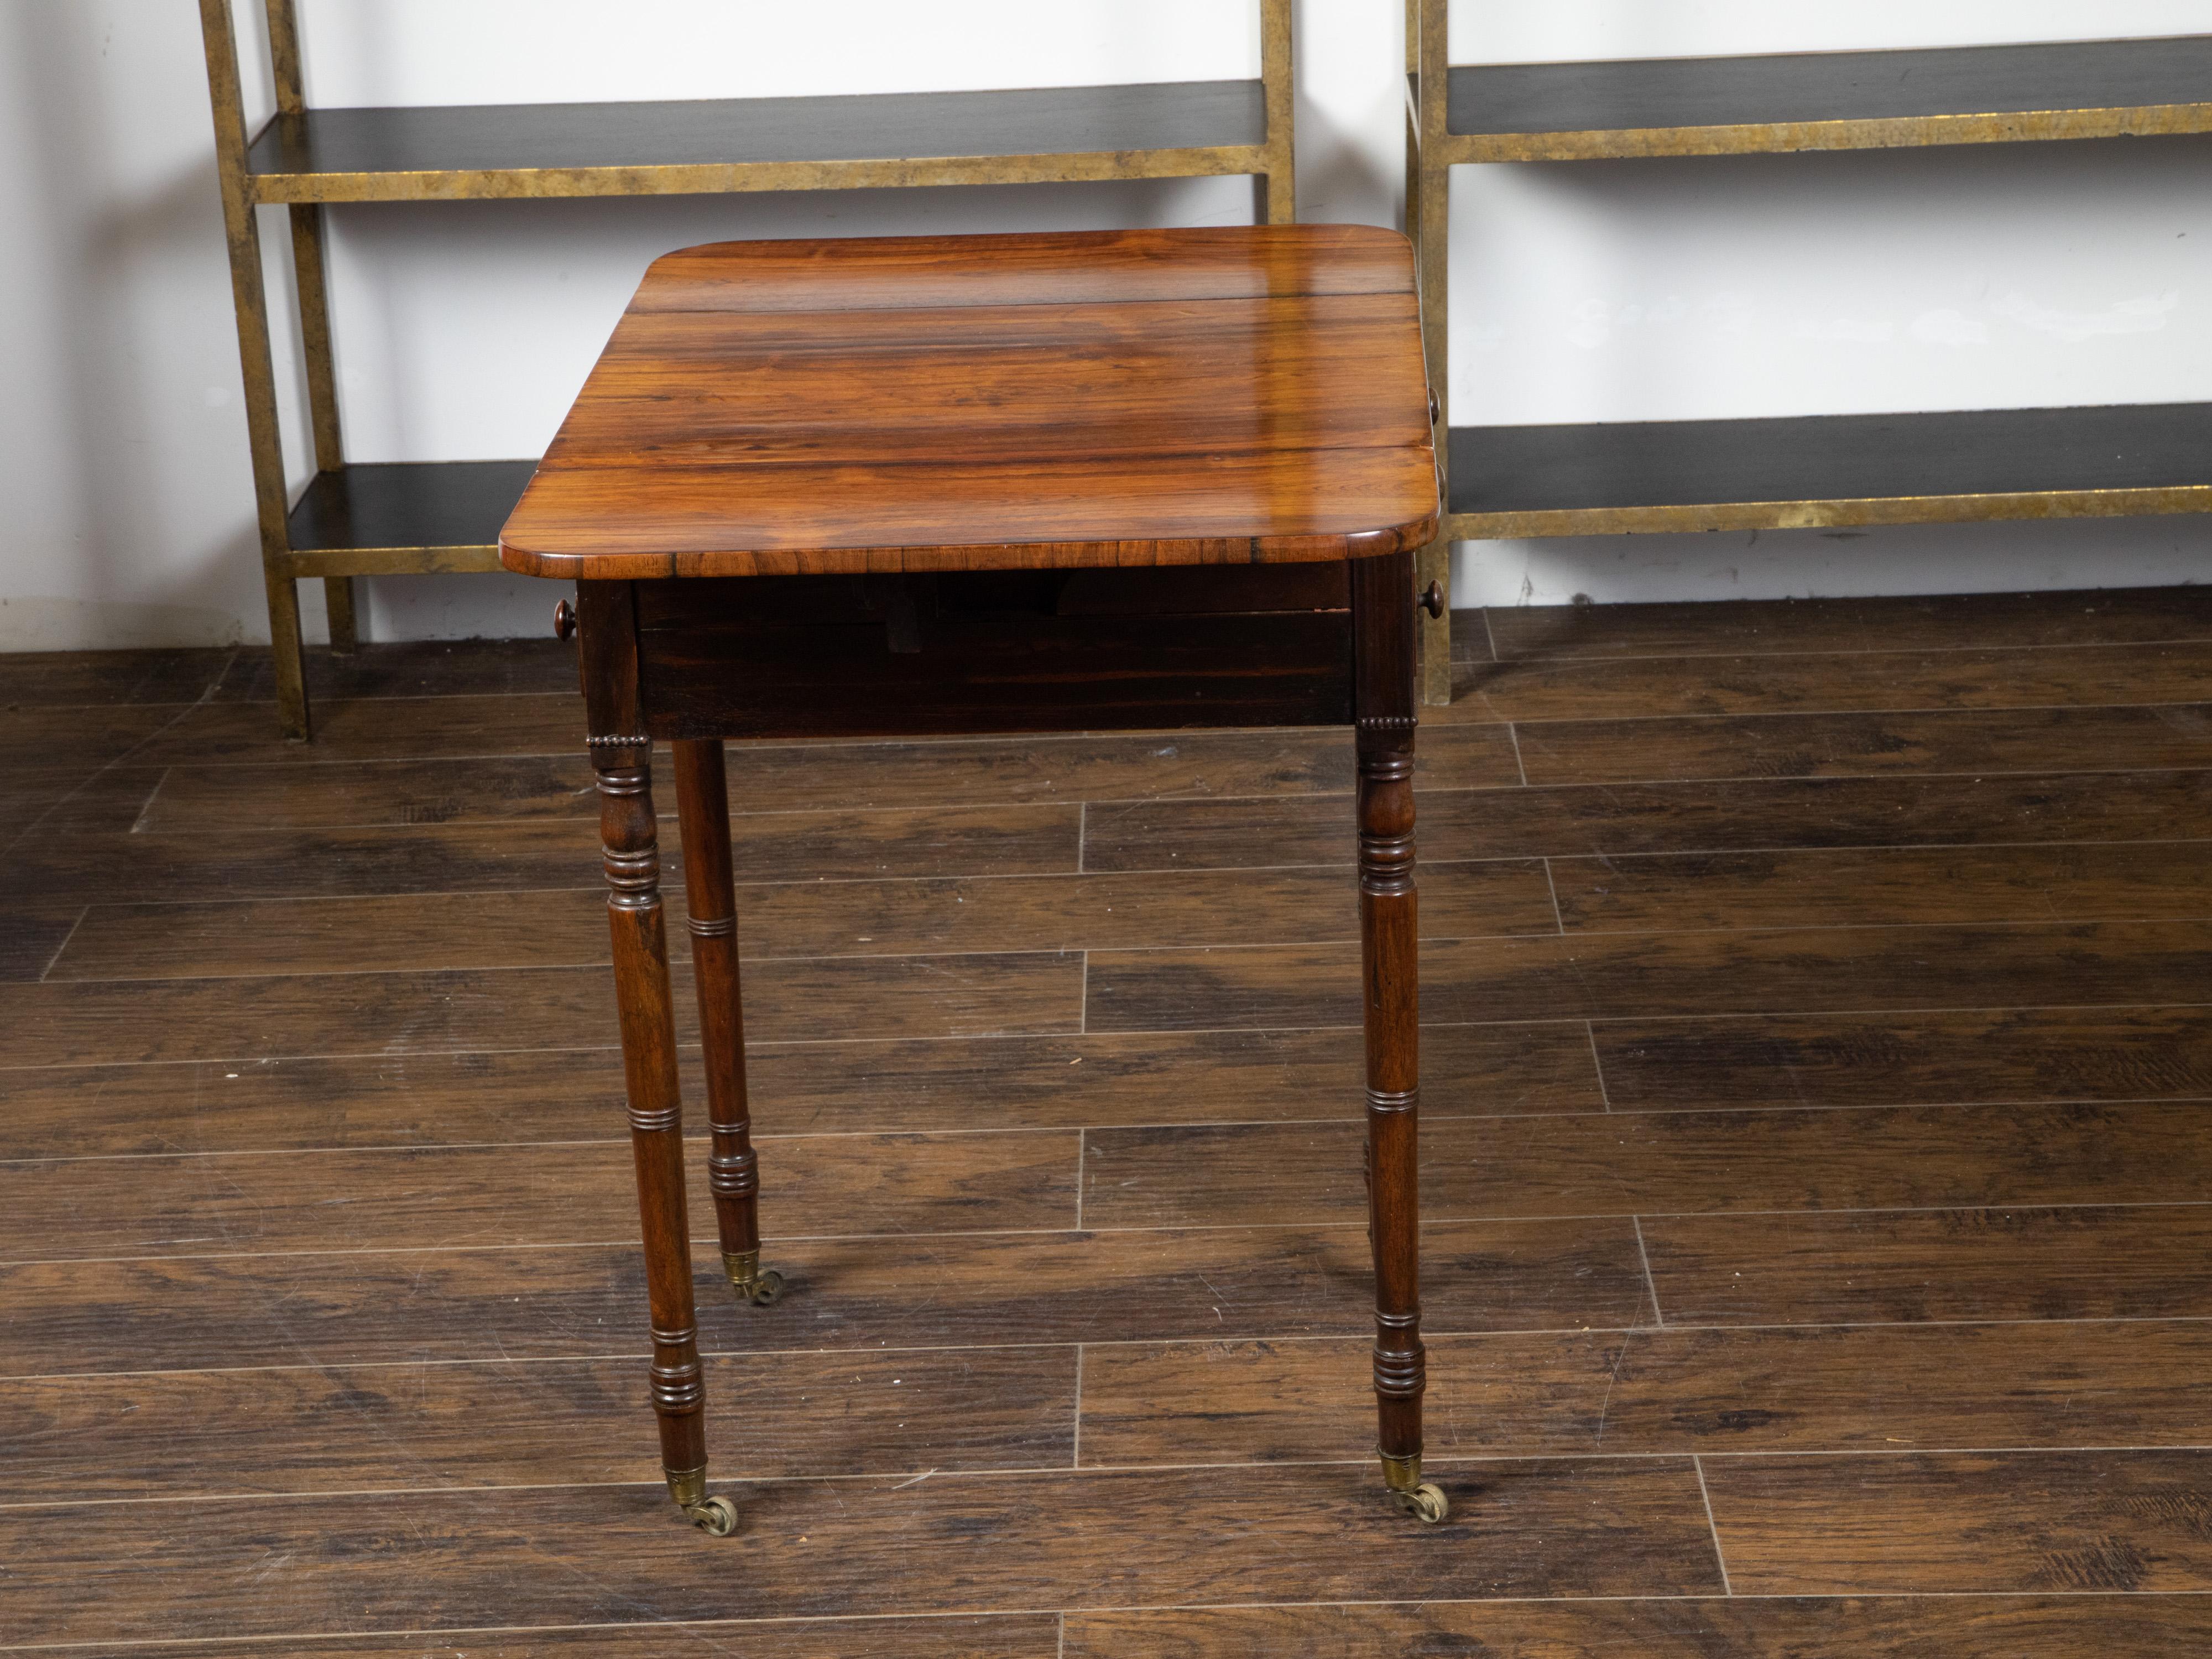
{"x":126,"y":500}
{"x":1587,"y":291}
{"x":1979,"y":276}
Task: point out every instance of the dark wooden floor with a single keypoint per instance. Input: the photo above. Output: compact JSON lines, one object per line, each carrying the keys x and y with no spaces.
{"x":1818,"y":1056}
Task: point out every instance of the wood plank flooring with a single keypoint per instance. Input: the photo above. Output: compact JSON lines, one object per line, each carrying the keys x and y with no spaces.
{"x":1817,"y":1165}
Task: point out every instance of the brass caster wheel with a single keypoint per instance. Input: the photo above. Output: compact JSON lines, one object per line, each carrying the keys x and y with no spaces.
{"x":747,"y":1280}
{"x":715,"y":1516}
{"x":1424,"y":1503}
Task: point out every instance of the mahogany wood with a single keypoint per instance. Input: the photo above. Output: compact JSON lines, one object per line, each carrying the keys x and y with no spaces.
{"x":982,"y":651}
{"x":898,"y":487}
{"x":1052,"y":268}
{"x":629,"y":838}
{"x":1182,"y":396}
{"x":656,"y":1121}
{"x":1389,"y":976}
{"x":702,"y":803}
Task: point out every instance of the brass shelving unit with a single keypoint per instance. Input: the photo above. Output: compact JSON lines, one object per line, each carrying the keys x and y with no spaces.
{"x":432,"y":517}
{"x":1802,"y":473}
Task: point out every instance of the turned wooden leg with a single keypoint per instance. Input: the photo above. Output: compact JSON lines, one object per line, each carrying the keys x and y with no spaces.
{"x":1382,"y":616}
{"x":702,"y":806}
{"x":656,"y":1119}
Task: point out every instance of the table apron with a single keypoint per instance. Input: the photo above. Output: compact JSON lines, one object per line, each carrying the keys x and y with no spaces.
{"x":992,"y":652}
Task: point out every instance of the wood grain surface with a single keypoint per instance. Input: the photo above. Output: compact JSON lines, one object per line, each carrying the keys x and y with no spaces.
{"x":1716,"y":1393}
{"x":2120,"y":1626}
{"x":497,"y":1423}
{"x":924,"y":916}
{"x":966,"y":1543}
{"x":1202,"y":397}
{"x":991,"y":1636}
{"x":2064,"y":1522}
{"x":1816,"y":1083}
{"x":499,"y":1097}
{"x":856,"y":1294}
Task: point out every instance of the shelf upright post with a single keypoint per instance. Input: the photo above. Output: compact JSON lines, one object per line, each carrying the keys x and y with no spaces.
{"x":1413,"y":108}
{"x":1428,"y":221}
{"x":255,"y":363}
{"x":344,"y":538}
{"x":1279,"y":202}
{"x":311,"y":273}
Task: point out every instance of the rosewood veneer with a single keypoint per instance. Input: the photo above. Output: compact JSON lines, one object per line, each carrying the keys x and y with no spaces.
{"x":1116,"y":480}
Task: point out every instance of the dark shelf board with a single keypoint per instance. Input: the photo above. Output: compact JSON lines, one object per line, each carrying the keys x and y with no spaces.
{"x":405,"y":517}
{"x":1154,"y":130}
{"x":1829,"y":100}
{"x":2115,"y":460}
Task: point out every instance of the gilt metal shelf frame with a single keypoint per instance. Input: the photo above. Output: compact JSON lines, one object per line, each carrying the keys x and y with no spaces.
{"x":1803,"y":472}
{"x":426,"y":518}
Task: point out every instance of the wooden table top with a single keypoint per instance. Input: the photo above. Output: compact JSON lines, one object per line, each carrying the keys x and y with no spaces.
{"x":1231,"y":395}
